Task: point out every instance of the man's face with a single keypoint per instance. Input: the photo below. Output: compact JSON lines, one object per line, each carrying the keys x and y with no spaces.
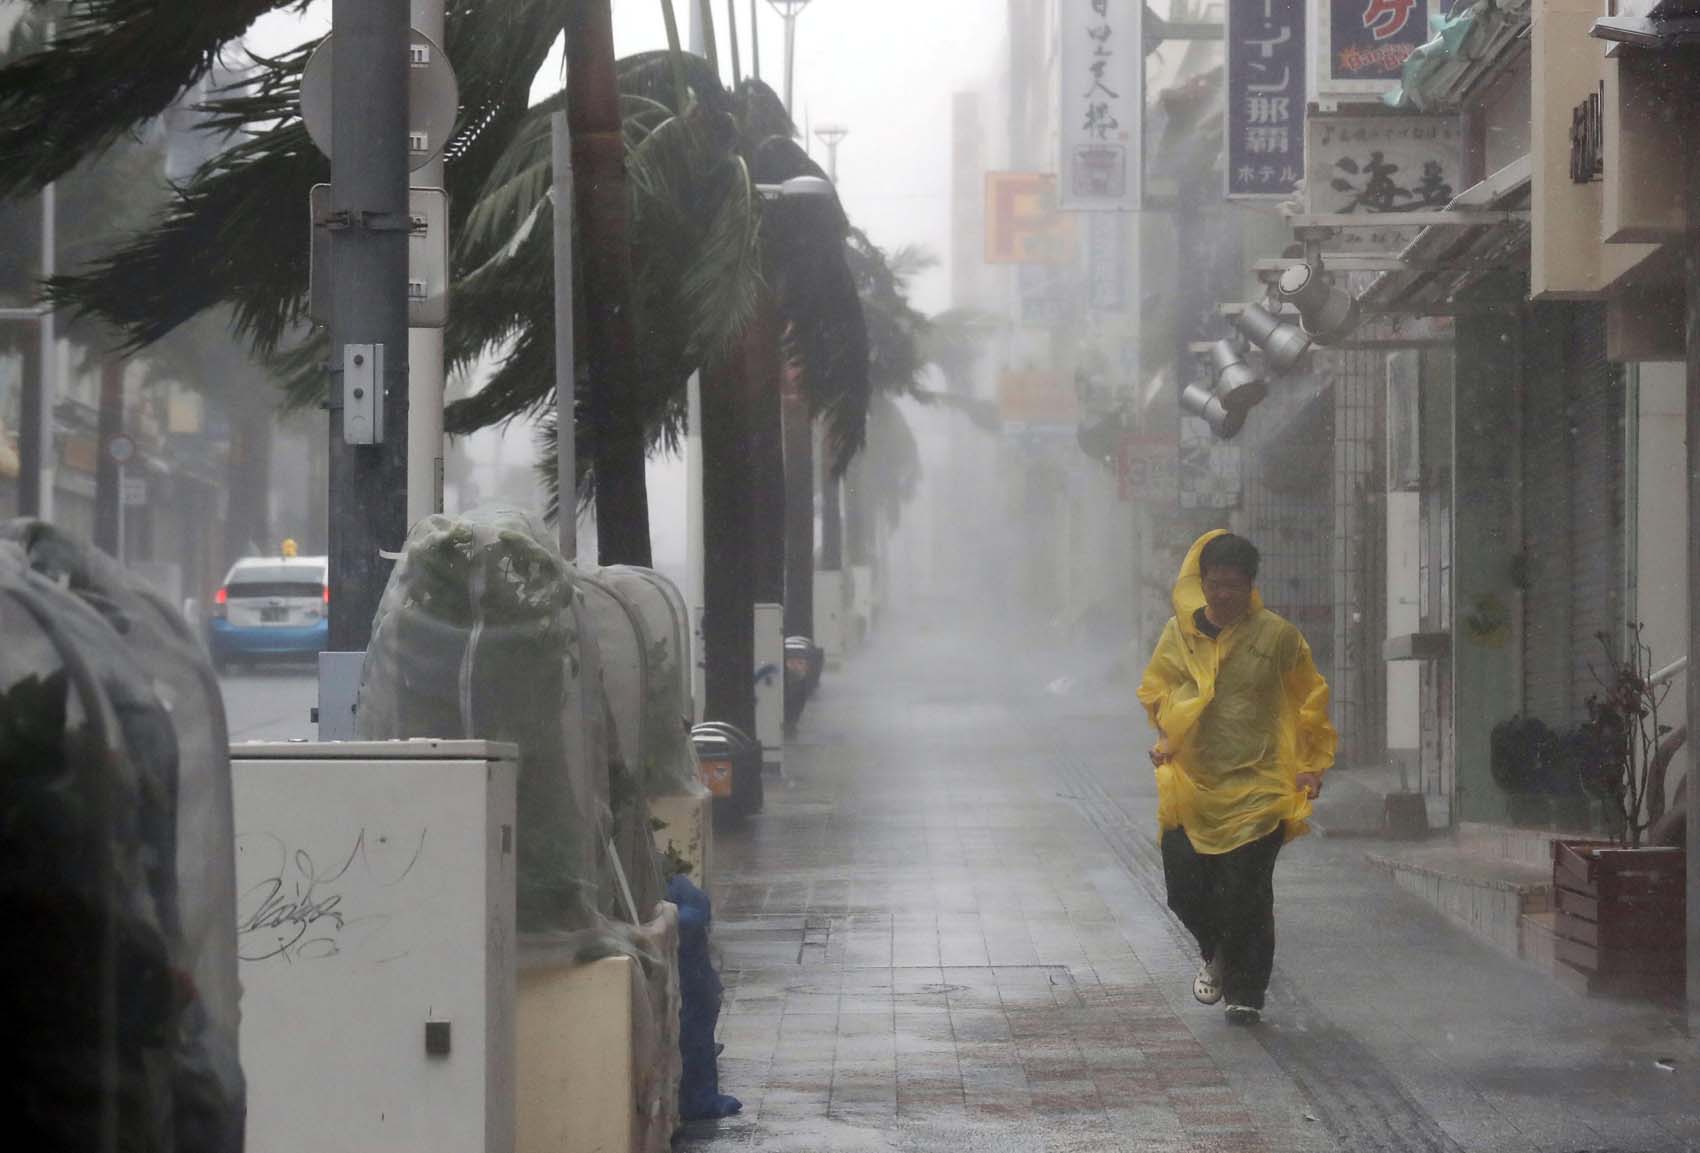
{"x":1227,"y":592}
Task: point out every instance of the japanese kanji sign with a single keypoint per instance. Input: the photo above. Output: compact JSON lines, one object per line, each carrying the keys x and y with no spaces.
{"x":1266,"y":96}
{"x":1382,"y":165}
{"x":1102,"y":103}
{"x":1370,"y":39}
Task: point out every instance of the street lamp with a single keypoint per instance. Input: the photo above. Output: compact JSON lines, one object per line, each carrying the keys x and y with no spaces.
{"x":789,"y":10}
{"x":832,"y":135}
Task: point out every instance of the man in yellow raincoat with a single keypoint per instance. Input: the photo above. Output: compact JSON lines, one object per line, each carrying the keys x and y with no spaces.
{"x":1243,"y":741}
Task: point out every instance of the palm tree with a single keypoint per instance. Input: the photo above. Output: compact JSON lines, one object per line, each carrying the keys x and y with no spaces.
{"x":702,"y":253}
{"x":593,"y":109}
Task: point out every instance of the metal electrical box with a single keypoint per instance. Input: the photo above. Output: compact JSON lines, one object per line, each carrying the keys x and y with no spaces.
{"x":375,"y":929}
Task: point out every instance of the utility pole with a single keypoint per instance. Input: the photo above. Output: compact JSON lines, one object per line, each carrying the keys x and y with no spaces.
{"x":369,"y":346}
{"x":790,"y":10}
{"x":40,"y":388}
{"x":425,"y":346}
{"x":832,"y":503}
{"x":566,"y":392}
{"x":1691,"y":271}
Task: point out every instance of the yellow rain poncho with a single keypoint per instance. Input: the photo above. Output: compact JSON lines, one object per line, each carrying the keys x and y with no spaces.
{"x":1242,"y":716}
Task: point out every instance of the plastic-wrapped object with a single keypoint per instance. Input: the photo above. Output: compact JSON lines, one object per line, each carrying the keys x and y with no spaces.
{"x":700,"y":1098}
{"x":116,"y":863}
{"x":669,"y":620}
{"x":477,"y":636}
{"x":645,"y":666}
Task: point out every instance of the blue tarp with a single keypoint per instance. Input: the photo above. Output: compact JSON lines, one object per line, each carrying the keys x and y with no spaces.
{"x":700,"y":1098}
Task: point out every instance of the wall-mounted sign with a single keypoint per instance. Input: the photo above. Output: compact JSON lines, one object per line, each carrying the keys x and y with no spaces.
{"x":1102,"y":103}
{"x":1148,"y":470}
{"x":1023,"y":225}
{"x":1266,"y":97}
{"x":1587,"y":138}
{"x":1386,"y":164}
{"x":1366,"y":42}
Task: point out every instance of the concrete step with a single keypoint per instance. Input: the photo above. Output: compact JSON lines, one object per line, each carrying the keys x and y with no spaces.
{"x":1481,"y":891}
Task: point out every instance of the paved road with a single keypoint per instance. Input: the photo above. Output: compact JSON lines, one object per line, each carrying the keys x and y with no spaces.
{"x":271,"y":704}
{"x":946,"y":931}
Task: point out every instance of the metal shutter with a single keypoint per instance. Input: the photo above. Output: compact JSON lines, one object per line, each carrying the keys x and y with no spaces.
{"x":1596,"y":505}
{"x":1572,"y":441}
{"x":1546,"y":518}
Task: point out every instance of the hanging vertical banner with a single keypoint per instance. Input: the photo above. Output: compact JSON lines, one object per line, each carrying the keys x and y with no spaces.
{"x":1266,"y":97}
{"x":1102,"y":104}
{"x":1370,"y":40}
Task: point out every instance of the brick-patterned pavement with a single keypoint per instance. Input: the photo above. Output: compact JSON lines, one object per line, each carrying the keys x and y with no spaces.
{"x":946,"y":932}
{"x":917,"y":953}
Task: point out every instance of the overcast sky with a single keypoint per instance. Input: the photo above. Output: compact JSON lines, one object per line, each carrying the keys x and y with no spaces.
{"x":886,"y":69}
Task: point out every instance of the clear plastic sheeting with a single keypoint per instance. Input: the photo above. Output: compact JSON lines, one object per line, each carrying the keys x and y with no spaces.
{"x":477,"y":637}
{"x":486,"y":632}
{"x":117,"y":877}
{"x":645,"y":666}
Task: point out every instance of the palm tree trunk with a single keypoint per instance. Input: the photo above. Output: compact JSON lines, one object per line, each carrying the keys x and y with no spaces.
{"x":106,"y":469}
{"x":728,"y":569}
{"x":765,"y":368}
{"x":599,"y":195}
{"x":799,"y":513}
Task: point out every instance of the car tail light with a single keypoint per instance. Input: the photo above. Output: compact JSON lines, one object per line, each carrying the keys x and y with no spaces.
{"x":327,"y":594}
{"x":220,"y":599}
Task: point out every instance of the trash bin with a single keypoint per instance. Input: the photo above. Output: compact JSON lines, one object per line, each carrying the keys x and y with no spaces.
{"x":799,"y":662}
{"x":730,"y":766}
{"x":806,"y":659}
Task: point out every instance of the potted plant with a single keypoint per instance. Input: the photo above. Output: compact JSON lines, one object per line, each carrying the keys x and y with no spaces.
{"x":1620,"y":901}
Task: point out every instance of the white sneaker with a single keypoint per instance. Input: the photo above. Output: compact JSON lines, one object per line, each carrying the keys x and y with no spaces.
{"x":1207,"y":986}
{"x":1244,"y":1015}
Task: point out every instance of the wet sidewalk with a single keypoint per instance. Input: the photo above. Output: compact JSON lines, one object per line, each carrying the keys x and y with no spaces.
{"x":946,"y":932}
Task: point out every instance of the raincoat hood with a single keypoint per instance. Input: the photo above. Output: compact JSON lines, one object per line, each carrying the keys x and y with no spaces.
{"x":1188,"y":595}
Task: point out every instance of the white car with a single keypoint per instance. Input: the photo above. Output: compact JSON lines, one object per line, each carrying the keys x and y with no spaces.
{"x":271,"y":608}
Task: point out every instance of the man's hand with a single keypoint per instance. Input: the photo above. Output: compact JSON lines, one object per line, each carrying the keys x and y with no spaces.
{"x":1160,"y":754}
{"x":1311,"y":783}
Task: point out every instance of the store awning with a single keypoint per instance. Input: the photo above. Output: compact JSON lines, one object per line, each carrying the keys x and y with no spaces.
{"x":1446,"y":261}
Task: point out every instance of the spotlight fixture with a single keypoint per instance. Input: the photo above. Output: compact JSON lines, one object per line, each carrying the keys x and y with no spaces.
{"x":1237,"y":386}
{"x":1327,"y":313}
{"x":1284,"y":345}
{"x":1198,"y":400}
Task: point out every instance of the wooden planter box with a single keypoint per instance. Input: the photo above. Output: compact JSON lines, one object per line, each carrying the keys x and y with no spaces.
{"x":1620,"y":922}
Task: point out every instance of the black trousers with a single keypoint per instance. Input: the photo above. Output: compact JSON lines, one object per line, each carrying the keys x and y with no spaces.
{"x":1227,"y":901}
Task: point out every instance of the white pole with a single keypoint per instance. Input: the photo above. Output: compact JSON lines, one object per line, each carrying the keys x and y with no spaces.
{"x":425,"y":347}
{"x":50,"y":375}
{"x":694,"y":535}
{"x":122,"y":512}
{"x":697,"y":41}
{"x":566,"y":428}
{"x":790,"y":56}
